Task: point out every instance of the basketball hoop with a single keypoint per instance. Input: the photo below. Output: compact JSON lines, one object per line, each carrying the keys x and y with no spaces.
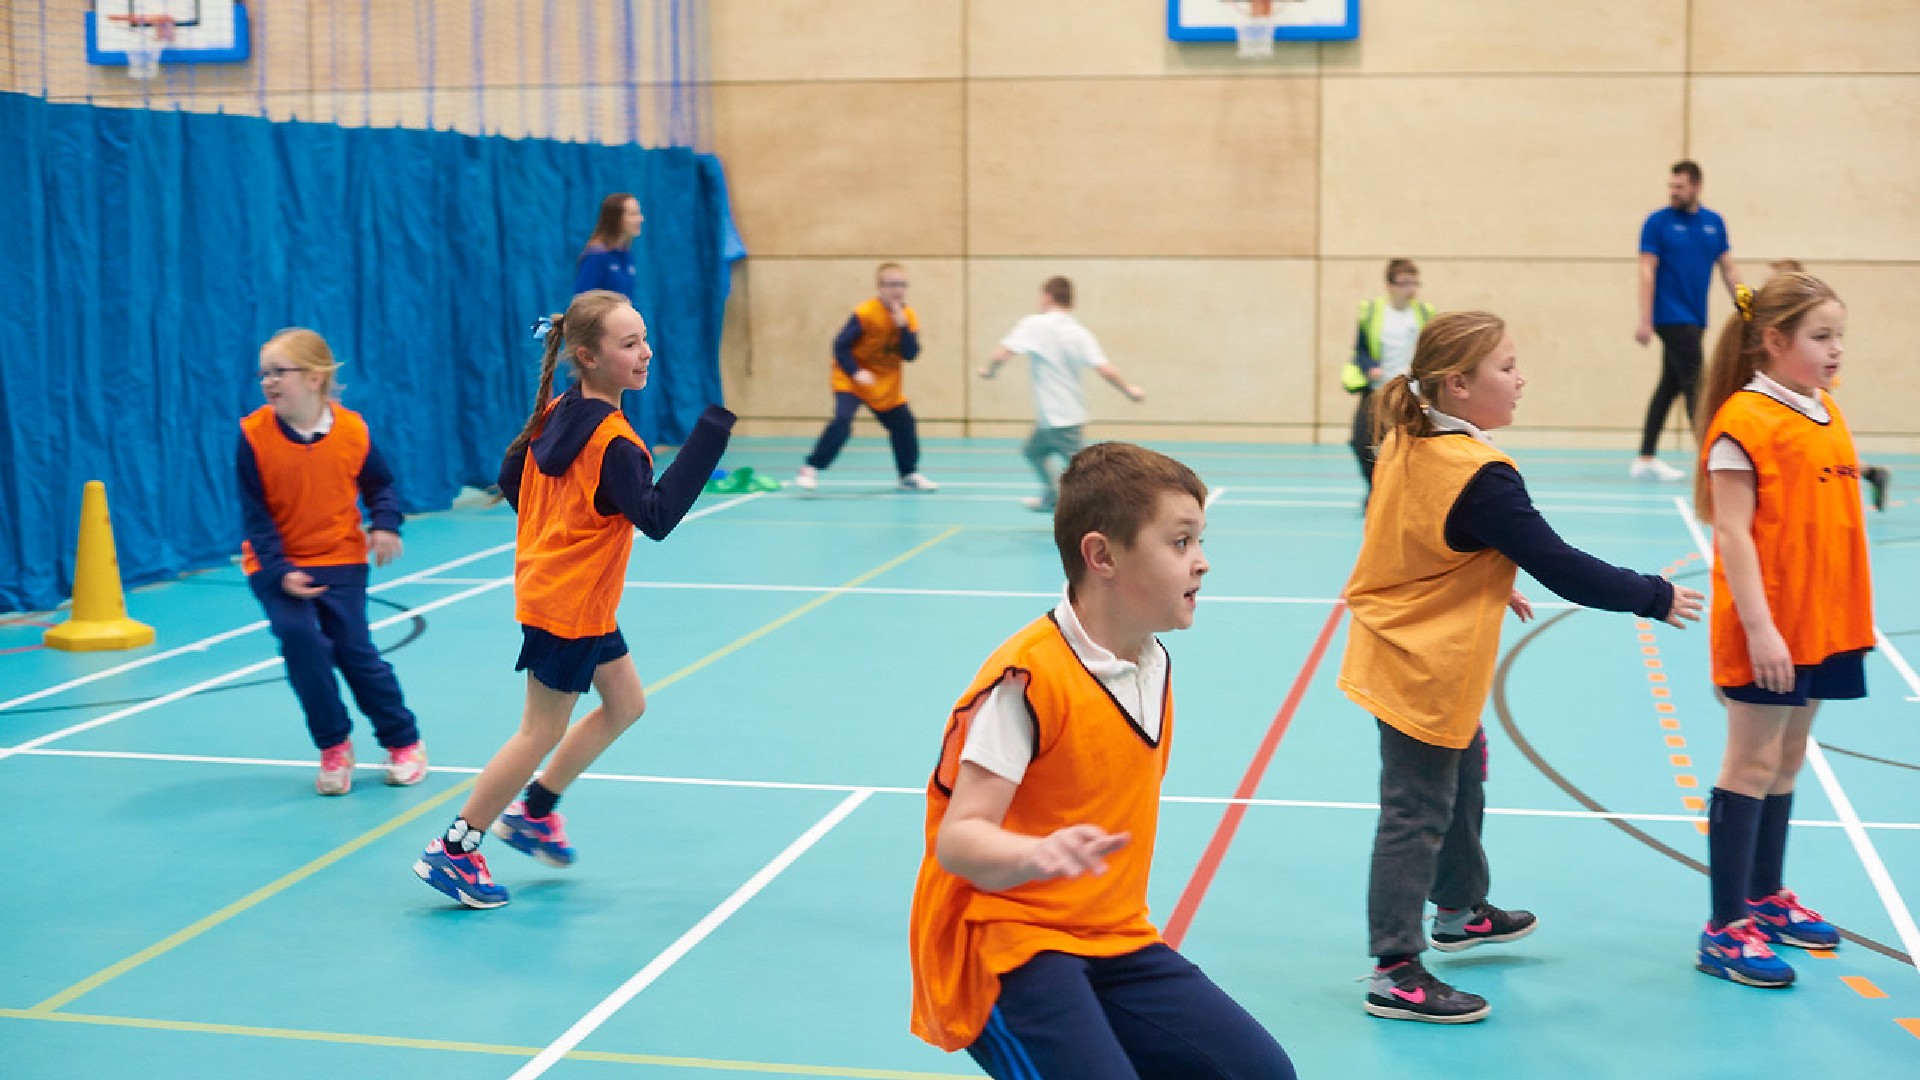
{"x":1253,"y":23}
{"x":151,"y":33}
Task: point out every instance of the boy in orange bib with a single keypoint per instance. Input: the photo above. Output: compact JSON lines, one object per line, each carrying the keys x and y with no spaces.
{"x":882,"y":334}
{"x":1792,"y":602}
{"x":1031,"y":945}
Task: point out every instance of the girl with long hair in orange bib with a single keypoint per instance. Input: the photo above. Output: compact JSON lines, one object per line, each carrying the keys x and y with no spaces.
{"x":1792,"y":619}
{"x":1449,"y":526}
{"x":581,"y":481}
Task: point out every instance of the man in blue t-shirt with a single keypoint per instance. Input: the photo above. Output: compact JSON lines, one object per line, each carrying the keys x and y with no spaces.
{"x":1679,"y":247}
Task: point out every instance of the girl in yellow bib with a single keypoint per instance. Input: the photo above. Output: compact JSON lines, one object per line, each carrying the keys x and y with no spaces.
{"x":1792,"y":602}
{"x":1449,"y":526}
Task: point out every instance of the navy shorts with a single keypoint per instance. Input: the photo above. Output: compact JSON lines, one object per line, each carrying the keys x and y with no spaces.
{"x":1842,"y":677}
{"x":1148,"y":1013}
{"x":567,"y":664}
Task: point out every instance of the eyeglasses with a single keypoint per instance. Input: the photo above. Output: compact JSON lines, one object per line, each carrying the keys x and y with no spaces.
{"x":893,"y":284}
{"x":270,"y":374}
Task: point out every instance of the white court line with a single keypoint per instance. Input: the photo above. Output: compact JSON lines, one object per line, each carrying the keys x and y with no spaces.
{"x":658,"y":966}
{"x":1836,"y":795}
{"x":1543,"y":506}
{"x":471,"y":770}
{"x":877,"y":789}
{"x":1899,"y":664}
{"x":1344,"y":492}
{"x":417,"y":577}
{"x":208,"y":642}
{"x":978,"y":594}
{"x":238,"y":673}
{"x":854,"y":491}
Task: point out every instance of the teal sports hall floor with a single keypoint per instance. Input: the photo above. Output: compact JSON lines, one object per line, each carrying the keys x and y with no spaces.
{"x":180,"y":904}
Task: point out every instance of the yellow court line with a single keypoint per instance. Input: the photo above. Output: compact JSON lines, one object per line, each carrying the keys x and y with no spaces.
{"x":839,"y":590}
{"x":266,"y":892}
{"x":452,"y":1046}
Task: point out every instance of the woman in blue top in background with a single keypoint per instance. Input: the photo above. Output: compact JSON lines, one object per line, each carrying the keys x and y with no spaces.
{"x":607,"y":260}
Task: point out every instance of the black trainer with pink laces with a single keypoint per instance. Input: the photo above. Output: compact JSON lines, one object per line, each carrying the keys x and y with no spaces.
{"x":1482,"y":924}
{"x":1408,"y":991}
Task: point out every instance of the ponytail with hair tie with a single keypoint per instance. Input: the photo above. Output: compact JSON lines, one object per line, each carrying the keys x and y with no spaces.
{"x":586,"y":313}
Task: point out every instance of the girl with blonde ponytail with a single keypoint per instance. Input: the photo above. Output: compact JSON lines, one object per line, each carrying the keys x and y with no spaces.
{"x":306,"y":465}
{"x":581,"y":481}
{"x":1792,"y":616}
{"x":1449,"y":525}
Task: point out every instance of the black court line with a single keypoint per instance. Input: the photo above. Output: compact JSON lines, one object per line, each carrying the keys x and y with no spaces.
{"x":416,"y":627}
{"x":1512,"y":729}
{"x":1832,"y":749}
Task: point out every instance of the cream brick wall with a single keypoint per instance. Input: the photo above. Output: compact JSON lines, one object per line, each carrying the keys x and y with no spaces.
{"x":1221,"y":217}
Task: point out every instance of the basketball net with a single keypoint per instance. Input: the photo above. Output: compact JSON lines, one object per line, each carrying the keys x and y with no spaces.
{"x":1253,"y":25}
{"x":151,"y":33}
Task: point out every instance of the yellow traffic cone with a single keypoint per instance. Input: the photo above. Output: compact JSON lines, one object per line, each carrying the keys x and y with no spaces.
{"x":99,"y":621}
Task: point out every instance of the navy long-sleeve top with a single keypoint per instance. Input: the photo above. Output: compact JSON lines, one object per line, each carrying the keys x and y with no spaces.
{"x":1495,"y":511}
{"x":849,"y":335}
{"x":375,"y":481}
{"x":627,"y":484}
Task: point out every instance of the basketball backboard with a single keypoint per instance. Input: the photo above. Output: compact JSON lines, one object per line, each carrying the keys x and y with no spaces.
{"x":1294,"y":20}
{"x":190,"y":31}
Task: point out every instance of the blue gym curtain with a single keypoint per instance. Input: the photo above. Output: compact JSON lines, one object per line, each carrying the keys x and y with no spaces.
{"x":149,"y":254}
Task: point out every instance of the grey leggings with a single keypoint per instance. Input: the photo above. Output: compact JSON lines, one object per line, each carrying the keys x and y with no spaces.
{"x":1043,"y":446}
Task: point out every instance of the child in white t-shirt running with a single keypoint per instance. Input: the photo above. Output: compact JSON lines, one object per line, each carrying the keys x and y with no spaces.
{"x":1058,"y":347}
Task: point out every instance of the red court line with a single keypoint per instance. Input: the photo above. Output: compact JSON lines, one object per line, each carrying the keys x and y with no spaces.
{"x":1196,"y":889}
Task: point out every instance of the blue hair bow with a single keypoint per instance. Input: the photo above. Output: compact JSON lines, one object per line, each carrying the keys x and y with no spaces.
{"x":542,"y":326}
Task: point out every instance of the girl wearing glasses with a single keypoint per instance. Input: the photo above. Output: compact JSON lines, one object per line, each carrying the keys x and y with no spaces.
{"x":306,"y":464}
